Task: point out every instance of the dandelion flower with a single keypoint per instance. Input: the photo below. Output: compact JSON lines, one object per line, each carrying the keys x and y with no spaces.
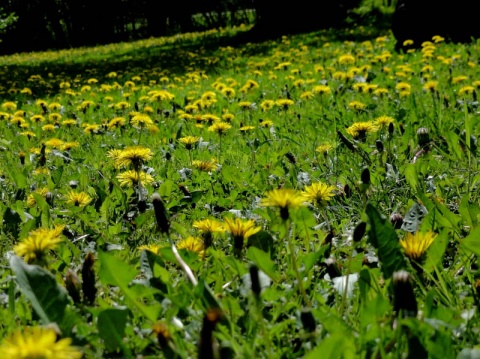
{"x":220,"y":128}
{"x":357,"y":105}
{"x":208,"y":227}
{"x":324,"y":148}
{"x":384,"y":121}
{"x":416,"y":244}
{"x":132,"y":178}
{"x":240,"y":231}
{"x":284,"y":103}
{"x":141,"y":121}
{"x":35,"y":246}
{"x":359,"y":129}
{"x":318,"y":193}
{"x":189,"y":141}
{"x":31,"y":199}
{"x":134,"y":156}
{"x":38,"y":342}
{"x":205,"y":166}
{"x":192,"y":244}
{"x":78,"y":199}
{"x":284,"y":199}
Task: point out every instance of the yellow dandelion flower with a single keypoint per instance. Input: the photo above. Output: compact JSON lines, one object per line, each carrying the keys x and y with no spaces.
{"x":430,"y":86}
{"x":359,"y":129}
{"x":403,"y":86}
{"x":48,"y":128}
{"x":54,"y":142}
{"x":116,"y":122}
{"x":134,"y":156}
{"x":266,"y":123}
{"x":416,"y":244}
{"x":228,"y":92}
{"x":205,"y":166}
{"x":38,"y":342}
{"x":466,"y":90}
{"x":54,"y":117}
{"x":154,"y":248}
{"x":284,"y":199}
{"x":9,"y":106}
{"x":246,"y":128}
{"x":141,"y":121}
{"x":133,"y":178}
{"x":189,"y":141}
{"x":220,"y":128}
{"x":35,"y":246}
{"x":267,"y":105}
{"x":357,"y":105}
{"x":78,"y":199}
{"x":284,"y":103}
{"x":346,"y":59}
{"x":318,"y":193}
{"x":324,"y":148}
{"x":31,"y":199}
{"x":37,"y":118}
{"x":240,"y":230}
{"x":383,"y":121}
{"x":67,"y":146}
{"x":209,"y":226}
{"x":322,"y":90}
{"x":192,"y":244}
{"x":459,"y":79}
{"x":92,"y":128}
{"x":69,"y":122}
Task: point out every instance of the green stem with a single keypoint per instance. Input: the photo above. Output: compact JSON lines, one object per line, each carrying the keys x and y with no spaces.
{"x":293,"y":259}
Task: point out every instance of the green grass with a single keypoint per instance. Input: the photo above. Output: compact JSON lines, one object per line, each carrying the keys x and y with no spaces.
{"x":422,"y":168}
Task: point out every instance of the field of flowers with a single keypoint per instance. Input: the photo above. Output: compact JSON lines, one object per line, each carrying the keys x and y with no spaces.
{"x":179,"y":197}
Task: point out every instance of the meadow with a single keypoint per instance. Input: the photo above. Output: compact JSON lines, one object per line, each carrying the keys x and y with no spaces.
{"x":192,"y":196}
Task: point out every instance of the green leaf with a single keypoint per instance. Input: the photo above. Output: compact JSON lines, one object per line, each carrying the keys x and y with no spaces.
{"x":436,"y":251}
{"x":47,"y":297}
{"x":384,"y":238}
{"x":310,"y":259}
{"x":115,"y":272}
{"x":262,"y":240}
{"x":166,"y":188}
{"x":111,"y":328}
{"x":262,"y":260}
{"x":470,"y":211}
{"x":334,"y":346}
{"x":413,"y":218}
{"x":57,"y":176}
{"x":471,"y":242}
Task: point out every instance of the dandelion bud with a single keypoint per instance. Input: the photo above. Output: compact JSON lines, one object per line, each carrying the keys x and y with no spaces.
{"x":332,"y":268}
{"x":308,"y":321}
{"x":212,"y":317}
{"x":379,"y":145}
{"x":42,"y":160}
{"x":476,"y":286}
{"x":391,"y":128}
{"x":365,"y":176}
{"x":347,"y":190}
{"x":345,"y":141}
{"x":291,"y":158}
{"x":164,"y":339}
{"x":359,"y":231}
{"x":396,"y":220}
{"x":402,"y":128}
{"x":423,"y":136}
{"x":49,"y":198}
{"x":88,"y":277}
{"x":404,"y":302}
{"x":72,"y":283}
{"x":256,"y":288}
{"x":73,"y":184}
{"x":21,"y":156}
{"x":161,"y":214}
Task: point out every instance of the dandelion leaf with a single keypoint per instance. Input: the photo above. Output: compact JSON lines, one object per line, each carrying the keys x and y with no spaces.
{"x":383,"y":237}
{"x":47,"y":297}
{"x":414,"y":217}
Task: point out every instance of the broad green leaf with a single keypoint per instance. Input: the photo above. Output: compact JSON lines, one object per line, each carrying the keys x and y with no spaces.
{"x":111,"y":328}
{"x":166,"y":188}
{"x":115,"y":272}
{"x":413,"y":218}
{"x":310,"y":259}
{"x":47,"y":297}
{"x":262,"y":261}
{"x":57,"y":176}
{"x":436,"y":251}
{"x":333,"y":347}
{"x":471,"y":242}
{"x":262,"y":240}
{"x":411,"y":175}
{"x":384,"y":238}
{"x":470,"y":211}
